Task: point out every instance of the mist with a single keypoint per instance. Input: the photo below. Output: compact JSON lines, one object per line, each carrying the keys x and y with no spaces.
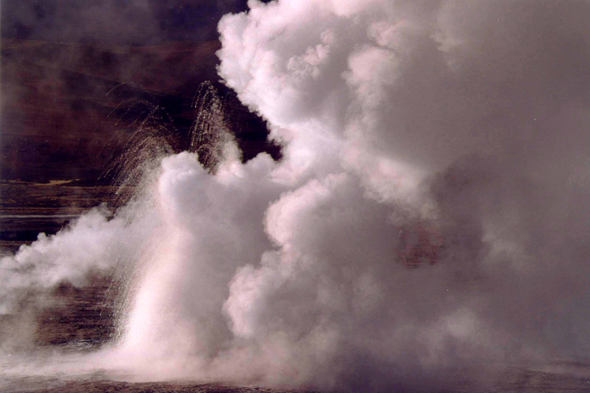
{"x":429,"y":214}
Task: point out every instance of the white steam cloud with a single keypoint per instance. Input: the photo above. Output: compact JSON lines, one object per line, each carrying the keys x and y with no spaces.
{"x":430,"y":211}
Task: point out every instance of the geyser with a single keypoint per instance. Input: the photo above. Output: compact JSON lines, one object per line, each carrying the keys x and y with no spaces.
{"x":429,"y":213}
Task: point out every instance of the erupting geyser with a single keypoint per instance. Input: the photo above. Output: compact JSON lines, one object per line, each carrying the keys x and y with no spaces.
{"x":430,"y":211}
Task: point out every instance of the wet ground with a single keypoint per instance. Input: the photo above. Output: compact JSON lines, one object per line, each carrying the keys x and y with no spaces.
{"x":100,"y":386}
{"x":550,"y":378}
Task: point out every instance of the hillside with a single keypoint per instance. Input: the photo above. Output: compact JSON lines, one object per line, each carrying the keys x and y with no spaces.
{"x":69,"y":111}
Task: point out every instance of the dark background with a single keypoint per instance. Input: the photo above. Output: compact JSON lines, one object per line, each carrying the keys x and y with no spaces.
{"x":80,"y":78}
{"x":88,"y":89}
{"x":122,"y":22}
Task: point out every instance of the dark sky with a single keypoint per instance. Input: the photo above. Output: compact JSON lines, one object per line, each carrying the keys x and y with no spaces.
{"x":123,"y":22}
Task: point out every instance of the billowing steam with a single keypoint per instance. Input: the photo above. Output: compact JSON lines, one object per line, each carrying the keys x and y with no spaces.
{"x":430,"y":211}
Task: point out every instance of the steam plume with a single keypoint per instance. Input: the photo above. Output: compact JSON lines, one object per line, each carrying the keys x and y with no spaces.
{"x":429,"y":211}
